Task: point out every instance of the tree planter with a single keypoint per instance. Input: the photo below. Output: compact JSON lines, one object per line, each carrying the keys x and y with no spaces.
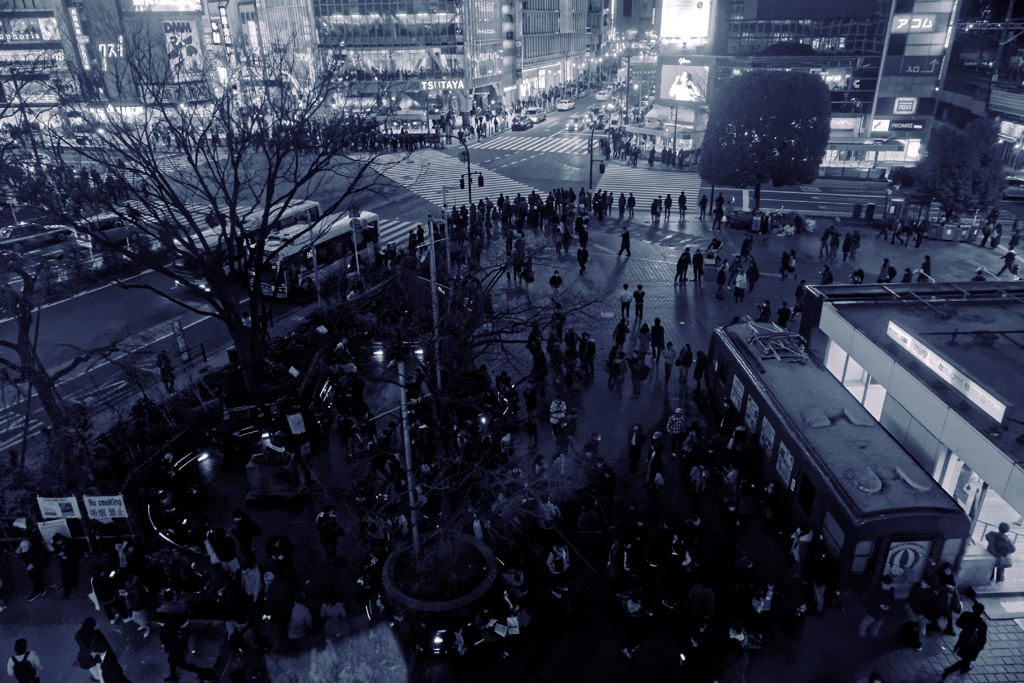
{"x":453,"y":572}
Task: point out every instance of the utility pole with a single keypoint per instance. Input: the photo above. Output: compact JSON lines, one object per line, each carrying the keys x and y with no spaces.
{"x":410,"y":478}
{"x":628,"y":64}
{"x":593,"y":129}
{"x":433,"y":303}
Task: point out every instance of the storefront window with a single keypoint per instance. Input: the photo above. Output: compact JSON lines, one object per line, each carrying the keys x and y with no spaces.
{"x":835,"y":359}
{"x":961,"y":482}
{"x":856,"y":380}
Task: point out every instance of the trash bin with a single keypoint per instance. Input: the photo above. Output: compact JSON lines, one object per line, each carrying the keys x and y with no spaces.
{"x":949,"y":233}
{"x":869,"y":212}
{"x":856,"y":211}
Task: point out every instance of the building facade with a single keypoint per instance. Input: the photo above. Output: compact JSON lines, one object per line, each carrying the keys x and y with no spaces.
{"x":552,"y":43}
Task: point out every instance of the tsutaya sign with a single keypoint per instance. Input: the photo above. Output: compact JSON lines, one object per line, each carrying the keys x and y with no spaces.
{"x":455,"y":84}
{"x":975,"y":394}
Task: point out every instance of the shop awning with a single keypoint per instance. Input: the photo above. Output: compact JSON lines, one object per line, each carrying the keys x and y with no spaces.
{"x":645,"y":131}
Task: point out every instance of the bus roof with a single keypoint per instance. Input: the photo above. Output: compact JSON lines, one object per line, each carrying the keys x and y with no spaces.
{"x":844,"y":440}
{"x":294,"y":238}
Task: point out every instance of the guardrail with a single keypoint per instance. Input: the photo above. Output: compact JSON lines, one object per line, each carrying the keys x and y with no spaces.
{"x":982,"y":528}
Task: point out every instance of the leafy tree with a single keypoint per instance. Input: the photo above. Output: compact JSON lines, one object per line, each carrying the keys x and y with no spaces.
{"x":203,"y":172}
{"x":963,"y":170}
{"x":766,"y":126}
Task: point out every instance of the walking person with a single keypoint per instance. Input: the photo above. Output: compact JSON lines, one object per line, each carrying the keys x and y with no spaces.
{"x":90,"y":640}
{"x":174,"y":639}
{"x":643,"y":342}
{"x":739,"y":287}
{"x":1001,"y":547}
{"x":624,"y":244}
{"x":625,"y":299}
{"x":244,"y":531}
{"x":631,"y":203}
{"x":784,"y":314}
{"x":972,"y":640}
{"x":581,"y":257}
{"x":638,"y":296}
{"x":636,"y":371}
{"x":34,"y":558}
{"x":676,"y":428}
{"x":24,"y":666}
{"x":68,"y":558}
{"x":636,"y":623}
{"x":655,"y":463}
{"x":657,"y":340}
{"x":635,"y":446}
{"x":685,"y":361}
{"x":329,"y":530}
{"x":669,"y":359}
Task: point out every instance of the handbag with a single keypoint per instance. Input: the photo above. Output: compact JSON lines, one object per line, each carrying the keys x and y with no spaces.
{"x":956,"y":603}
{"x":95,"y":600}
{"x":1004,"y":561}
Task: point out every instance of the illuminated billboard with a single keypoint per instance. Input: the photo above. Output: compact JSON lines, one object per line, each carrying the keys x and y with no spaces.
{"x":683,"y":81}
{"x":686,"y":20}
{"x":28,"y":29}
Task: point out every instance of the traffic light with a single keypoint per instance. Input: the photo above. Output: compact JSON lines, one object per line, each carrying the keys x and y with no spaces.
{"x":601,"y":167}
{"x":462,"y":183}
{"x":480,"y":180}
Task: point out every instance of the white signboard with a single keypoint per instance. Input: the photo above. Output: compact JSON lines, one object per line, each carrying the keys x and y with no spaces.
{"x":767,"y":438}
{"x":975,"y":394}
{"x":53,"y":526}
{"x":750,"y":416}
{"x":737,"y":391}
{"x":56,"y":508}
{"x":104,"y":508}
{"x":784,"y":465}
{"x":906,"y":563}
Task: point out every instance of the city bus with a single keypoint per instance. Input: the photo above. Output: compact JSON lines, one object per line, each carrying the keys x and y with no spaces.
{"x":299,"y":256}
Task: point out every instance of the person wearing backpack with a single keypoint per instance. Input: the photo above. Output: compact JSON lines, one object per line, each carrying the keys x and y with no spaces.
{"x":973,"y":634}
{"x":24,"y":666}
{"x":685,"y":361}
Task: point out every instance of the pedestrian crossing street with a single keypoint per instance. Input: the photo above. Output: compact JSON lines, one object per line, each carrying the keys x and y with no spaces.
{"x":557,"y":145}
{"x":434,"y":175}
{"x":647,"y":185}
{"x":396,"y":232}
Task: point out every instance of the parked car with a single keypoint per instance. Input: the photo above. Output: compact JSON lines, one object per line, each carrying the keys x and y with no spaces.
{"x":535,"y":114}
{"x":1014,"y":188}
{"x":25,"y":236}
{"x":565,"y":105}
{"x":521,"y":123}
{"x":577,"y":122}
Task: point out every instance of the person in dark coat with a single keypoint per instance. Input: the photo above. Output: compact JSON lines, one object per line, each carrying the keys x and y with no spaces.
{"x":244,"y":531}
{"x":973,"y":636}
{"x":699,"y":368}
{"x":635,"y":443}
{"x":174,"y":639}
{"x":698,"y":266}
{"x":68,"y":557}
{"x":624,"y":245}
{"x":90,"y":640}
{"x":33,"y":557}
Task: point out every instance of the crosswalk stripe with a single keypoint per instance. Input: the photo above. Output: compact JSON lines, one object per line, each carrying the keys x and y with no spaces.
{"x":427,"y":172}
{"x":646,"y":185}
{"x":395,"y":231}
{"x":573,"y":145}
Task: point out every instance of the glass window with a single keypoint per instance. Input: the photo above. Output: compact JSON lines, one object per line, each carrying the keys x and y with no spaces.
{"x":874,"y":398}
{"x":861,"y":556}
{"x":855,"y":379}
{"x":835,"y":359}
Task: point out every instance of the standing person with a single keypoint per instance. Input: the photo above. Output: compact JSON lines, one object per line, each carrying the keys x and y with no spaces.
{"x":620,"y":334}
{"x":784,"y":264}
{"x":682,"y":265}
{"x":163,"y":361}
{"x":175,"y":638}
{"x":685,"y":361}
{"x":784,"y":315}
{"x":24,"y":666}
{"x":106,"y":590}
{"x":90,"y":641}
{"x":698,"y":266}
{"x":946,"y":593}
{"x":622,"y":205}
{"x":676,"y":428}
{"x":701,"y":603}
{"x":718,"y":213}
{"x":636,"y":365}
{"x":682,"y":205}
{"x":33,"y":557}
{"x":926,"y":270}
{"x":655,"y":463}
{"x":635,"y":444}
{"x":329,"y":530}
{"x":657,"y":340}
{"x":635,"y":623}
{"x":721,"y":280}
{"x":244,"y":531}
{"x":699,"y":367}
{"x":753,"y":274}
{"x":972,"y":640}
{"x":669,"y":359}
{"x":643,"y":342}
{"x":68,"y":558}
{"x":739,"y":288}
{"x":879,"y":601}
{"x":624,"y":244}
{"x":668,"y":206}
{"x":625,"y":299}
{"x":638,"y":296}
{"x":631,"y":203}
{"x":1001,"y":547}
{"x":703,"y":204}
{"x":847,"y":245}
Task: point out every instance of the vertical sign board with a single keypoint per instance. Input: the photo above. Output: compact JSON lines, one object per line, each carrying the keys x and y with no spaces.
{"x":750,"y":417}
{"x":736,"y":395}
{"x":906,"y":563}
{"x":183,"y":55}
{"x":784,"y":466}
{"x":767,"y":437}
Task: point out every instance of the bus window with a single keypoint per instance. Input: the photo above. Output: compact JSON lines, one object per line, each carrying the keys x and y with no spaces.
{"x":861,"y":556}
{"x":806,"y":495}
{"x":369,"y":235}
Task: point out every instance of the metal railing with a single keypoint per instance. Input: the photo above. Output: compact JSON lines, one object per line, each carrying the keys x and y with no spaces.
{"x":982,"y":528}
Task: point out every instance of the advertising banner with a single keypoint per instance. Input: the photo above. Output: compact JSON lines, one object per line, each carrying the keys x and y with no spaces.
{"x":56,"y":508}
{"x":687,"y":20}
{"x":167,"y":5}
{"x":34,"y":29}
{"x":767,"y":438}
{"x":105,"y":508}
{"x":683,"y":81}
{"x":54,"y":526}
{"x":183,"y":50}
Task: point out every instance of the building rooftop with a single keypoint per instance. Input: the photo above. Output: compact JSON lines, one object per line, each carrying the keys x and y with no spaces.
{"x":875,"y":472}
{"x":969,"y":344}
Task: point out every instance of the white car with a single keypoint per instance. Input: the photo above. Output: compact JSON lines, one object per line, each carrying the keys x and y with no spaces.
{"x":534,"y":114}
{"x":615,"y":119}
{"x":565,"y":105}
{"x":603,"y":95}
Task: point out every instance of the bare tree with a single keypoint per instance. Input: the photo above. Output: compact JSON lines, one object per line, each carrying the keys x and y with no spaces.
{"x":207,"y":164}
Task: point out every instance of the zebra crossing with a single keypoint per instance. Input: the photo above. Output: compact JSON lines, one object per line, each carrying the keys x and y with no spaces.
{"x":434,"y":176}
{"x":647,"y":185}
{"x":397,"y":232}
{"x":554,"y":145}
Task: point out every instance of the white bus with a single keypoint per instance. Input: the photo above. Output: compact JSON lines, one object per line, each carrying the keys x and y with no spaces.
{"x":299,"y":257}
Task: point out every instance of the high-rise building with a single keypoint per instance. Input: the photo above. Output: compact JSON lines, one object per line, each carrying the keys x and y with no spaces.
{"x":552,"y":42}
